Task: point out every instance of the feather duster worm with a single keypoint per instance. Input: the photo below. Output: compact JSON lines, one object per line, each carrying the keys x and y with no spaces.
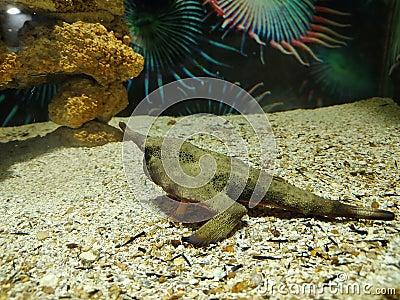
{"x":287,"y":25}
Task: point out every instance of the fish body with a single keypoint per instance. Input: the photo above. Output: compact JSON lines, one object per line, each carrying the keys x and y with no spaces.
{"x":230,"y":179}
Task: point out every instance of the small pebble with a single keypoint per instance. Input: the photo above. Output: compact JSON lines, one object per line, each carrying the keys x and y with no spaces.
{"x":240,"y":287}
{"x":218,"y":273}
{"x":42,"y":235}
{"x":179,"y":261}
{"x":256,"y":280}
{"x":228,"y":248}
{"x":88,"y":256}
{"x":49,"y":280}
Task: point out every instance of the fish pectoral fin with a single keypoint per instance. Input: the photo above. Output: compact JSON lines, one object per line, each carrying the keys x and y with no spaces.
{"x":218,"y":227}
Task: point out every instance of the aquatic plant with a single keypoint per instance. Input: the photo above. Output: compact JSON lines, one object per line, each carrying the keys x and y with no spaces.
{"x":30,"y":103}
{"x":168,"y":34}
{"x":287,"y":25}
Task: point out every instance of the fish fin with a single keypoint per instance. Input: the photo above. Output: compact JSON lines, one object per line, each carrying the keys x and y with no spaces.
{"x":218,"y":227}
{"x":182,"y":210}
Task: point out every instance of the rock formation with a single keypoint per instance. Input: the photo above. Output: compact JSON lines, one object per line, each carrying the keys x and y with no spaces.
{"x":81,"y":45}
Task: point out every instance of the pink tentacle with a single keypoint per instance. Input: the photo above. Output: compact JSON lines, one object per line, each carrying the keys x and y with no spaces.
{"x":214,"y":4}
{"x":244,"y":16}
{"x":294,"y":52}
{"x":307,"y":39}
{"x":330,"y":22}
{"x":331,"y":11}
{"x":254,"y":36}
{"x":306,"y":49}
{"x":262,"y":95}
{"x":329,"y":31}
{"x":256,"y":86}
{"x":279,"y":47}
{"x":325,"y":37}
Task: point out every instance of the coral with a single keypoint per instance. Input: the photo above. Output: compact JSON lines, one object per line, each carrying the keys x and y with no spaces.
{"x":170,"y":35}
{"x":8,"y":65}
{"x":90,"y":134}
{"x":78,"y":48}
{"x":81,"y":100}
{"x":286,"y":25}
{"x":52,"y":51}
{"x":90,"y":49}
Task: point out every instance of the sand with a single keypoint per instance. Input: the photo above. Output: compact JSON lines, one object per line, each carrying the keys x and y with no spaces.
{"x":71,"y":228}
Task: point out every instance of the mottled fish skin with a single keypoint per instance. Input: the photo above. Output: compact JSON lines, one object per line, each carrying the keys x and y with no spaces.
{"x":279,"y":193}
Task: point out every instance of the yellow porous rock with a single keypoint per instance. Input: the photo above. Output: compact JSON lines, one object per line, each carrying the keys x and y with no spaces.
{"x":81,"y":100}
{"x":8,"y":65}
{"x":91,"y":134}
{"x":90,"y":49}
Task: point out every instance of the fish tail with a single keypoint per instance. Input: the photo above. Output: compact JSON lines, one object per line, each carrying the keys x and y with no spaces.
{"x":288,"y":196}
{"x":349,"y":211}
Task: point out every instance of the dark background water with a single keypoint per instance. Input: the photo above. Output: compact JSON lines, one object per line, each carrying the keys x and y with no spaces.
{"x":356,"y":71}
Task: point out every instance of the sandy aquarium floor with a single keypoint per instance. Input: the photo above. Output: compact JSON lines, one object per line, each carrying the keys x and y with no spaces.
{"x":71,"y":228}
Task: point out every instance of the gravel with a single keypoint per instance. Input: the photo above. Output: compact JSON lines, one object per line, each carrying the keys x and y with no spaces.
{"x":71,"y":228}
